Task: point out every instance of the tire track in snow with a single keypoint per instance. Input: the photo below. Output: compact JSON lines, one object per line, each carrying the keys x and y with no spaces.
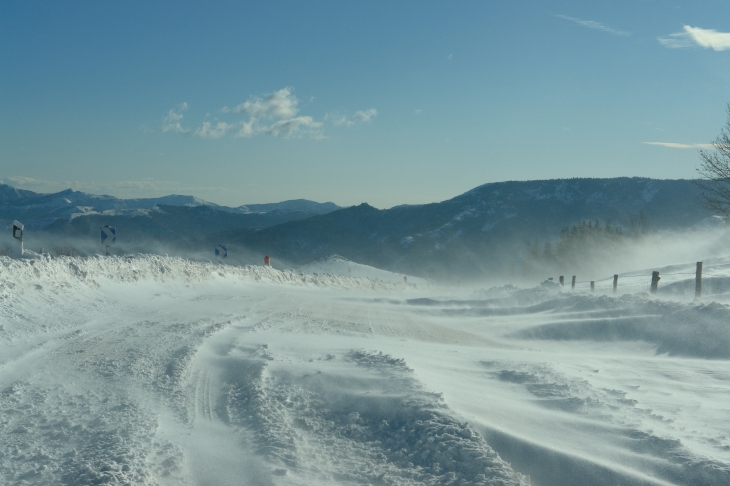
{"x":358,"y":419}
{"x":203,"y":397}
{"x":81,"y":414}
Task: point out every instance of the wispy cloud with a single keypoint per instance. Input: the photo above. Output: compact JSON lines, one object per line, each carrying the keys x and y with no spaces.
{"x":279,"y":104}
{"x":171,"y":122}
{"x":126,"y":189}
{"x":295,"y":126}
{"x":361,"y":116}
{"x":675,"y":145}
{"x":697,"y":37}
{"x":245,"y":129}
{"x":592,"y":24}
{"x":366,"y":115}
{"x":213,"y":131}
{"x":276,"y":114}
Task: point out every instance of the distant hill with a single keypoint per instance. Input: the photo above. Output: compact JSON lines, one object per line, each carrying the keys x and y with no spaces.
{"x":293,"y":205}
{"x":479,"y":231}
{"x":171,"y":223}
{"x":482,"y":231}
{"x":39,"y":210}
{"x":74,"y":217}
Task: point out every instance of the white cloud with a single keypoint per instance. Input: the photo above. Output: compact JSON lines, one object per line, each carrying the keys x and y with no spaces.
{"x":367,"y":115}
{"x":679,"y":40}
{"x":279,"y":104}
{"x":246,"y":129}
{"x":697,"y":37}
{"x":208,"y":130}
{"x":276,"y":114}
{"x":339,"y":120}
{"x":171,"y":122}
{"x":592,"y":24}
{"x":295,"y":127}
{"x":707,"y":146}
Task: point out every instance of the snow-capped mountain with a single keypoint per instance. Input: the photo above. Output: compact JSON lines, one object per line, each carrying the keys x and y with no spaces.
{"x":40,"y":210}
{"x":71,"y":219}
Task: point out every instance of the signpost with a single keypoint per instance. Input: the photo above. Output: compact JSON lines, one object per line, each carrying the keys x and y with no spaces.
{"x":108,"y":236}
{"x":221,"y":252}
{"x":18,"y":233}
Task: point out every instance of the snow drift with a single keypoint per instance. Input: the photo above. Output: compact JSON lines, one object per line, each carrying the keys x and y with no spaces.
{"x":159,"y":370}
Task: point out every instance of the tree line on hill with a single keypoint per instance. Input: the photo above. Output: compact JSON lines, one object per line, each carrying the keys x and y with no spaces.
{"x":580,"y":246}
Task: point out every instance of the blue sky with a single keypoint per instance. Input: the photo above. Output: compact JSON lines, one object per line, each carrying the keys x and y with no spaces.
{"x":383,"y":102}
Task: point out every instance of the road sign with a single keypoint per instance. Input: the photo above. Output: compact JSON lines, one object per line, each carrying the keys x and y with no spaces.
{"x":221,"y":251}
{"x":18,"y":230}
{"x":108,"y":235}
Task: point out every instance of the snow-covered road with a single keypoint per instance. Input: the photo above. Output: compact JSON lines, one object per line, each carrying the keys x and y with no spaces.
{"x":157,"y":370}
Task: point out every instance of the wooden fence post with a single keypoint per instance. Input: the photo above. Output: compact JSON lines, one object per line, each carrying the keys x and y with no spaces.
{"x":562,"y":280}
{"x":593,"y":286}
{"x":654,"y":282}
{"x":615,"y":284}
{"x":572,"y":283}
{"x":698,"y":281}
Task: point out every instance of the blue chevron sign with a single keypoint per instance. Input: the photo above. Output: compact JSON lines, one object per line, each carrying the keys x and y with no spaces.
{"x":18,"y":230}
{"x":108,"y":235}
{"x":221,"y":251}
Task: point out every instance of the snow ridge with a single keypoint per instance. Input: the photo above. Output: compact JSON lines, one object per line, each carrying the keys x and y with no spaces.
{"x":61,"y":271}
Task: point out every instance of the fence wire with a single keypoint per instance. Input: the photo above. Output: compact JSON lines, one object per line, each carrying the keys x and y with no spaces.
{"x":712,"y":284}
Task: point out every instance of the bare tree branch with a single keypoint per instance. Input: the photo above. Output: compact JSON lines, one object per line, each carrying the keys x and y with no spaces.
{"x":714,"y":172}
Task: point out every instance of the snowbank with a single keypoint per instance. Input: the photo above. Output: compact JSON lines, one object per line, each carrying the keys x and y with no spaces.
{"x":697,"y":329}
{"x":682,"y":329}
{"x":338,"y":265}
{"x":147,"y":267}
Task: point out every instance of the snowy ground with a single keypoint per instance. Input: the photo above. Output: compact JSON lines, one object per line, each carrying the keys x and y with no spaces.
{"x":337,"y":265}
{"x":156,"y":370}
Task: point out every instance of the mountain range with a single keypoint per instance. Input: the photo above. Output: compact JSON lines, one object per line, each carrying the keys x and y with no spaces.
{"x":474,"y":233}
{"x":42,"y":209}
{"x":479,"y":231}
{"x":173,"y":219}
